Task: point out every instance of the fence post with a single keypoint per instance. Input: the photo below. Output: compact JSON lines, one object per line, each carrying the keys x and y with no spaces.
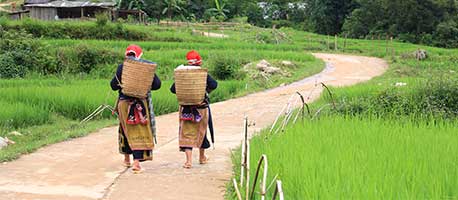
{"x":335,"y":42}
{"x":392,"y":48}
{"x":247,"y":185}
{"x":278,"y":191}
{"x":242,"y":162}
{"x":237,"y":191}
{"x":386,"y":45}
{"x":244,"y":150}
{"x":263,"y":183}
{"x":327,"y":42}
{"x":345,"y":42}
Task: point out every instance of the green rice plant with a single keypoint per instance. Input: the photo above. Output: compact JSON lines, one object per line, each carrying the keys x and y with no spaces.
{"x":77,"y":99}
{"x":31,"y":102}
{"x":16,"y":114}
{"x":343,"y":157}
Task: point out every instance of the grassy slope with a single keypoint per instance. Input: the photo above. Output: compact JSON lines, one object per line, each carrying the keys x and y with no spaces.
{"x":353,"y":158}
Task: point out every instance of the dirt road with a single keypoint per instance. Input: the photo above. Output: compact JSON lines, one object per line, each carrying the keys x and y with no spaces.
{"x":3,"y":5}
{"x":90,"y":167}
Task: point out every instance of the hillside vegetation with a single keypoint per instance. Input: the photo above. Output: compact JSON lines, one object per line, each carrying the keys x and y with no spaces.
{"x":392,"y":137}
{"x":51,"y":82}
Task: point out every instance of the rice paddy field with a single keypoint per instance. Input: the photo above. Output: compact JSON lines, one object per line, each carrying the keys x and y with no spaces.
{"x":48,"y":108}
{"x":393,"y":137}
{"x":382,"y":142}
{"x":341,"y":157}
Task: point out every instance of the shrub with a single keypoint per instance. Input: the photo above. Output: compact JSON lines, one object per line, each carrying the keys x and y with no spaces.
{"x":102,"y":29}
{"x":84,"y":59}
{"x":437,"y":98}
{"x":446,"y":34}
{"x":406,"y":37}
{"x":225,"y":67}
{"x":101,"y":19}
{"x":282,"y":23}
{"x":9,"y":68}
{"x":21,"y":52}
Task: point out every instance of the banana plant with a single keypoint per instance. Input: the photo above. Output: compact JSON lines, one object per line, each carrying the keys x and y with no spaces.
{"x":173,"y":6}
{"x":219,"y":10}
{"x":130,"y":4}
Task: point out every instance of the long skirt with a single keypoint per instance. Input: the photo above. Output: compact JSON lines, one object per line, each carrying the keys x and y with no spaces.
{"x":193,"y":134}
{"x":134,"y":139}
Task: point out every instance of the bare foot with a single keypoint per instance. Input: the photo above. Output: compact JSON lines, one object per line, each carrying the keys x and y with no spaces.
{"x":127,"y":161}
{"x":187,"y":165}
{"x":204,"y":160}
{"x":136,"y":168}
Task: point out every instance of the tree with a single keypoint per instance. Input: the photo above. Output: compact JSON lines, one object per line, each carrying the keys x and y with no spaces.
{"x":172,"y":7}
{"x":256,"y":16}
{"x":369,"y":17}
{"x":130,"y":4}
{"x":238,"y":8}
{"x":446,"y":34}
{"x":197,"y":8}
{"x":219,"y":11}
{"x":328,"y":16}
{"x":154,"y":9}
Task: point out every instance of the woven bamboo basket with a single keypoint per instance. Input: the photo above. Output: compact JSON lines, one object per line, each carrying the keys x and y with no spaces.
{"x":137,"y":78}
{"x":190,"y":85}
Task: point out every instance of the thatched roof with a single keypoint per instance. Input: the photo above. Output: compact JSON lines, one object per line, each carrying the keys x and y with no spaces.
{"x":72,"y":4}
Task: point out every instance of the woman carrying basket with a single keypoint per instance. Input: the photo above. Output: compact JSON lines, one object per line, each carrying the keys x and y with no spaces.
{"x":135,"y":127}
{"x":194,"y":119}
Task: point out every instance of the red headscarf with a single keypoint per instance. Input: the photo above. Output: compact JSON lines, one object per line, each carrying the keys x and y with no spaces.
{"x":137,"y":50}
{"x":194,"y":58}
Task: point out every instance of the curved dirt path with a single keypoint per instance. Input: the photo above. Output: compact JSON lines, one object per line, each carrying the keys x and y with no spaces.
{"x":90,"y":167}
{"x":3,"y":5}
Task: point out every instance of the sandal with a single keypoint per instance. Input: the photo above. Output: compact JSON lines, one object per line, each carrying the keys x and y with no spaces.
{"x":136,"y":170}
{"x":127,"y":164}
{"x":204,"y":161}
{"x":187,"y":165}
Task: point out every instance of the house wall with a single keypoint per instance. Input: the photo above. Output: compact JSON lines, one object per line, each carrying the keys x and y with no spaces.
{"x":69,"y":13}
{"x":15,"y":16}
{"x":43,"y":13}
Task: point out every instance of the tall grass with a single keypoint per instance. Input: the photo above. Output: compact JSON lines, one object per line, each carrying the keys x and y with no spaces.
{"x":31,"y":102}
{"x":343,"y":157}
{"x":49,"y":110}
{"x":16,"y":114}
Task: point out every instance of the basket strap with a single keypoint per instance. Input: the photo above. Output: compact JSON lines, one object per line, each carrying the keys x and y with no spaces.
{"x":119,"y":82}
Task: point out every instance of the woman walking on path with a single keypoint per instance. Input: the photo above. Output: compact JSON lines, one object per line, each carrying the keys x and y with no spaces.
{"x":135,"y":125}
{"x":194,"y":119}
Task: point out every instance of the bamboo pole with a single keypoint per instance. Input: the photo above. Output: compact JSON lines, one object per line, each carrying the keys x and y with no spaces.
{"x":262,"y":160}
{"x":242,"y":163}
{"x":244,"y":151}
{"x":279,"y":114}
{"x":247,"y":186}
{"x":237,"y":191}
{"x":278,"y":191}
